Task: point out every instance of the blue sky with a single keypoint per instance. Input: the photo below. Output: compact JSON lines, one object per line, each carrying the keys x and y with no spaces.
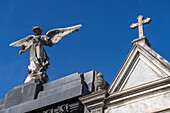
{"x":102,"y":43}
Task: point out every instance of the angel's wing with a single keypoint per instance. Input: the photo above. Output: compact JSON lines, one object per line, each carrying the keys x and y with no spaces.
{"x":25,"y":42}
{"x":56,"y":35}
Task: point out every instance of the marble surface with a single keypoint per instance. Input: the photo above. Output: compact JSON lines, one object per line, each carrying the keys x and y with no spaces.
{"x":141,"y":74}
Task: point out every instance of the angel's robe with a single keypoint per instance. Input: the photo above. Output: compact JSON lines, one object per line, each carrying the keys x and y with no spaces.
{"x":39,"y":61}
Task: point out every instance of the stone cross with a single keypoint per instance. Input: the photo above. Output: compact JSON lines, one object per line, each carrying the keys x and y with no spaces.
{"x":140,"y":24}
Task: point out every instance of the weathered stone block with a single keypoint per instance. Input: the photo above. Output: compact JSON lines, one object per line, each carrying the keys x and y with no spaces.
{"x":61,"y":81}
{"x":1,"y":101}
{"x":53,"y":96}
{"x":60,"y":88}
{"x":21,"y":94}
{"x":89,"y":78}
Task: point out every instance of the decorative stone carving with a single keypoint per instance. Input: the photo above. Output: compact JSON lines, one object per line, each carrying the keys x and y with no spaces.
{"x":65,"y":108}
{"x":60,"y":109}
{"x":48,"y":111}
{"x":100,"y":83}
{"x":39,"y":61}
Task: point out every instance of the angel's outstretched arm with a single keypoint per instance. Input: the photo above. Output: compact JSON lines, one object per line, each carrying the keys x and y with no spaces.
{"x":25,"y":50}
{"x":24,"y":43}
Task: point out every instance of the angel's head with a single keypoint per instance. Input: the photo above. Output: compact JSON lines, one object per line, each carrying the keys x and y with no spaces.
{"x":37,"y":30}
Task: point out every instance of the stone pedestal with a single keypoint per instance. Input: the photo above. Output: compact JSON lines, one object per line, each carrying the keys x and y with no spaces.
{"x":21,"y":94}
{"x":59,"y":96}
{"x":141,"y":41}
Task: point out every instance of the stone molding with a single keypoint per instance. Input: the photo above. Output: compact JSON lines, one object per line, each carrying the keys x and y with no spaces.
{"x":137,"y":91}
{"x":101,"y":100}
{"x":141,"y":41}
{"x":94,"y":101}
{"x":154,"y":60}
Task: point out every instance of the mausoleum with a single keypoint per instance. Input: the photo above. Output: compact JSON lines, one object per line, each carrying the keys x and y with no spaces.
{"x":142,"y":85}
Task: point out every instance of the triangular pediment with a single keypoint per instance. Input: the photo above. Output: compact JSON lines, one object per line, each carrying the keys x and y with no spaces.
{"x":141,"y":66}
{"x":140,"y":74}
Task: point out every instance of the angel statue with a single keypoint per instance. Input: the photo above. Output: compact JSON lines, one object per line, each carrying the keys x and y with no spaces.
{"x":39,"y":61}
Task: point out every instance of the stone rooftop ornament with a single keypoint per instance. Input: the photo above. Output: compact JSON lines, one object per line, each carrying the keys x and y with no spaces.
{"x":39,"y":61}
{"x":142,"y":39}
{"x":100,"y":83}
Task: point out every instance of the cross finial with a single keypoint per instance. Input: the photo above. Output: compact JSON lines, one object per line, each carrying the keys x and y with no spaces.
{"x":140,"y":24}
